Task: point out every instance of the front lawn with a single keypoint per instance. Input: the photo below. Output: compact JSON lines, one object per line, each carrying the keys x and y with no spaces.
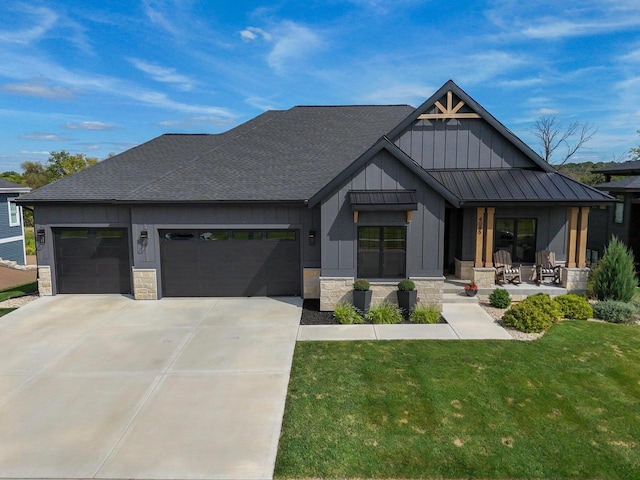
{"x":564,"y":406}
{"x":18,"y":291}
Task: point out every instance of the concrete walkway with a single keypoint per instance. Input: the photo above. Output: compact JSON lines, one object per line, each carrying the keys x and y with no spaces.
{"x":464,"y":322}
{"x":108,"y":387}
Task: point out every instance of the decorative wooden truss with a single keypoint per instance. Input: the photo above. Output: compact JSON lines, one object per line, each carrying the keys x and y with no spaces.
{"x":449,"y":112}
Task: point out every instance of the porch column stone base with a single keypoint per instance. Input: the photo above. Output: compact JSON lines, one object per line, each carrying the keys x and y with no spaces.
{"x":311,"y":283}
{"x":334,"y":290}
{"x":464,"y":269}
{"x":145,"y":285}
{"x":484,"y":277}
{"x":574,"y":279}
{"x":44,"y":280}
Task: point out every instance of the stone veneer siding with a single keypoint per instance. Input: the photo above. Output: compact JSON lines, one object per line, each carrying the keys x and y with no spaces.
{"x":485,"y":277}
{"x":44,"y":280}
{"x":145,"y":285}
{"x":334,"y":290}
{"x":311,"y":283}
{"x":574,"y":279}
{"x":464,"y":269}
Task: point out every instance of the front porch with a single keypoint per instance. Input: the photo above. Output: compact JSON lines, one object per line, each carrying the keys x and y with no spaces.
{"x":453,"y":290}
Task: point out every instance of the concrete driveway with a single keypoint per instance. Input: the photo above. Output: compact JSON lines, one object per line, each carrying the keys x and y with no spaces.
{"x":107,"y":387}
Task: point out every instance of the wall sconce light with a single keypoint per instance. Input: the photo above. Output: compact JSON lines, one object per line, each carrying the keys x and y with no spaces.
{"x":312,"y":237}
{"x":41,"y":236}
{"x":144,"y":237}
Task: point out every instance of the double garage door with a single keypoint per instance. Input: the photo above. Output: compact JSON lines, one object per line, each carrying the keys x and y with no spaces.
{"x":226,"y":263}
{"x":193,"y":262}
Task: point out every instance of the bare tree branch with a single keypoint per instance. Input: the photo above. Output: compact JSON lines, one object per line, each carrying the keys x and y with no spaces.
{"x":551,"y":135}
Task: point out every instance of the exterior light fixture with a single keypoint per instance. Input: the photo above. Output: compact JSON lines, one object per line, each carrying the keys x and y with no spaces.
{"x":312,"y":237}
{"x":144,"y":237}
{"x":41,"y":236}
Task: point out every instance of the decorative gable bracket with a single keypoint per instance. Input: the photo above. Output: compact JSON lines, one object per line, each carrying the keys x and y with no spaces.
{"x":449,"y":111}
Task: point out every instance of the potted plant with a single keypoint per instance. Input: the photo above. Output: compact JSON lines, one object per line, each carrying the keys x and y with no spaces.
{"x":407,"y":296}
{"x":362,"y":295}
{"x":471,"y":289}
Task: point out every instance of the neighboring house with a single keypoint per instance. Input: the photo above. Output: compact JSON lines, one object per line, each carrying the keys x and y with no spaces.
{"x":621,"y":219}
{"x":12,"y":246}
{"x":302,"y":201}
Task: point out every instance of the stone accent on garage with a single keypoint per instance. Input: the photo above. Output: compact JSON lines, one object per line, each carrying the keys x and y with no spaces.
{"x":145,"y":284}
{"x":44,"y":280}
{"x":311,"y":283}
{"x":334,"y":290}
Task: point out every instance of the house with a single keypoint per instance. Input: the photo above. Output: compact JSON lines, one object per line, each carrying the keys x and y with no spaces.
{"x":621,"y":219}
{"x":302,"y":201}
{"x":12,"y":247}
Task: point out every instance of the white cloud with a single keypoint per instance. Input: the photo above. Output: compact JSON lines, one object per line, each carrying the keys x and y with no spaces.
{"x":163,"y":74}
{"x":43,"y":137}
{"x":293,"y":43}
{"x":251,"y":33}
{"x":550,"y":28}
{"x":29,"y":152}
{"x":38,"y":89}
{"x":154,"y":9}
{"x":89,"y":126}
{"x":196,"y":120}
{"x":46,"y":20}
{"x":546,"y":111}
{"x":521,"y":83}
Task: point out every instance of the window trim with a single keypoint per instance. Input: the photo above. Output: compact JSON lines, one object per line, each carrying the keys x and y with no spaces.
{"x":618,"y":210}
{"x":381,"y":252}
{"x":16,"y":223}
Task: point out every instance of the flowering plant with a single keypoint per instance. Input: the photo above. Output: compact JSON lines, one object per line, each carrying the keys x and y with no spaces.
{"x":471,"y":286}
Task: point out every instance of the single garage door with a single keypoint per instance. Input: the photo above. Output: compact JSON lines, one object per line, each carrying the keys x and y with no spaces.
{"x":92,"y":260}
{"x":230,"y":263}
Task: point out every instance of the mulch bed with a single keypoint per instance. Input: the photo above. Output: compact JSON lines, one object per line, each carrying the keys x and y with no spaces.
{"x":311,"y":315}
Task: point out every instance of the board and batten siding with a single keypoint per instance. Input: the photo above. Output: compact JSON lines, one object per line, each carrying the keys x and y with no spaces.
{"x":460,"y":144}
{"x":154,"y":217}
{"x":551,"y":233}
{"x":425,"y":232}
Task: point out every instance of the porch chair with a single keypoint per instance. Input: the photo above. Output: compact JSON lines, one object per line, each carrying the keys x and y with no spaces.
{"x":546,"y":267}
{"x":505,"y":270}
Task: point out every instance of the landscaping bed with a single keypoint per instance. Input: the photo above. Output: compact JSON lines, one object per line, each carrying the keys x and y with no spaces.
{"x":564,"y":406}
{"x":311,"y":315}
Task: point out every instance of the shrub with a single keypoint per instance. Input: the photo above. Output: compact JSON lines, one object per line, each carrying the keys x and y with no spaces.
{"x":500,"y":298}
{"x":425,"y":313}
{"x":615,"y":312}
{"x":615,"y":275}
{"x":534,"y":314}
{"x":406,"y":285}
{"x":361,"y":284}
{"x":574,"y":307}
{"x":347,"y":314}
{"x":386,"y":312}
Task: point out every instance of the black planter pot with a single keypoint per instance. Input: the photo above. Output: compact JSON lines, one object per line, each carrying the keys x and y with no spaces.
{"x":362,"y":300}
{"x":471,"y":293}
{"x":407,"y":300}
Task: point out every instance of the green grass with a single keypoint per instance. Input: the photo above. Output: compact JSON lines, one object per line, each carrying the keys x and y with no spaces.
{"x":4,"y":311}
{"x":18,"y":291}
{"x":564,"y":406}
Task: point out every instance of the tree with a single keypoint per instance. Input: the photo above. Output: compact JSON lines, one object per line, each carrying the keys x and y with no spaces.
{"x":615,"y":276}
{"x":58,"y":165}
{"x":35,"y":174}
{"x":552,"y":136}
{"x":635,"y":152}
{"x":12,"y":176}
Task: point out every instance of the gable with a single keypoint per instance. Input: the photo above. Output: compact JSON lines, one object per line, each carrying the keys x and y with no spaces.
{"x":452,"y":131}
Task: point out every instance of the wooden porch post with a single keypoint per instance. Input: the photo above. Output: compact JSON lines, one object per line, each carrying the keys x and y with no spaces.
{"x":581,"y":259}
{"x":479,"y":237}
{"x":488,"y":243}
{"x":572,"y":234}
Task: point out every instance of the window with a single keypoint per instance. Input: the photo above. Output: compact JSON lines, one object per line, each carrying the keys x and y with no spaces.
{"x":113,"y":234}
{"x":14,"y":212}
{"x":382,"y":252}
{"x":247,"y":235}
{"x":179,"y":236}
{"x":618,"y":216}
{"x":74,"y":234}
{"x":518,"y":237}
{"x":281,"y":235}
{"x":214,"y":235}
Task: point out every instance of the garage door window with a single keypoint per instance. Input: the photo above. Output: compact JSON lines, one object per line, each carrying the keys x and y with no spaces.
{"x":247,"y":235}
{"x":102,"y":234}
{"x":74,"y":234}
{"x":178,"y":236}
{"x":214,"y":235}
{"x":281,"y":235}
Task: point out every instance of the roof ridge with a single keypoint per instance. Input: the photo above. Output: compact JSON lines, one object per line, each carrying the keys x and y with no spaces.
{"x":197,"y":157}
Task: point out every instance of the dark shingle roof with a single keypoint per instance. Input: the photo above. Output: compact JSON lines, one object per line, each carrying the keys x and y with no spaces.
{"x":631,"y":167}
{"x":630,"y":184}
{"x":8,"y":186}
{"x":503,"y":186}
{"x":280,"y":155}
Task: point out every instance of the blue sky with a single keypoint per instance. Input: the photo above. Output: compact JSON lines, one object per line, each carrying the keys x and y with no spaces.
{"x":100,"y":77}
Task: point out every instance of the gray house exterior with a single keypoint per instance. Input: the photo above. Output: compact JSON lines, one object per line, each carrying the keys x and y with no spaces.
{"x":12,"y":247}
{"x":621,"y":219}
{"x":303,"y":201}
